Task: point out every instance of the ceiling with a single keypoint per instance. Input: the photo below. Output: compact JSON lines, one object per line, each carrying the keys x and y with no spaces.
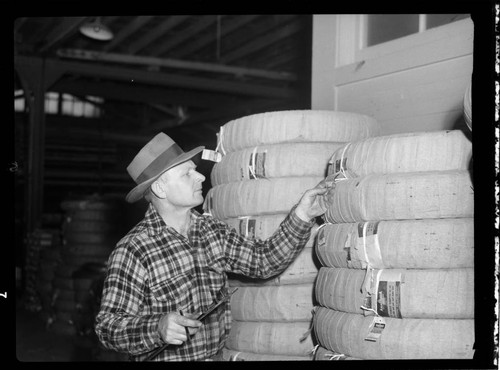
{"x":185,"y":75}
{"x":190,"y":73}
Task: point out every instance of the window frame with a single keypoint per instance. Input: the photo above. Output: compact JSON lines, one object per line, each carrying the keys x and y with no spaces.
{"x":351,"y":38}
{"x":430,"y":46}
{"x":413,"y":40}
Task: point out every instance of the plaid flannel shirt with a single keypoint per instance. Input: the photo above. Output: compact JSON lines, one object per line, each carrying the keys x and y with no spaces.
{"x":154,"y":270}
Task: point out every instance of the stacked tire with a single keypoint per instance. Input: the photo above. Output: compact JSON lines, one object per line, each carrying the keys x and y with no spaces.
{"x":91,"y":229}
{"x":269,"y":160}
{"x":397,"y":251}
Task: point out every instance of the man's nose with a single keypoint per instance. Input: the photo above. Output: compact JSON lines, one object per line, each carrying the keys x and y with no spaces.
{"x":201,"y":178}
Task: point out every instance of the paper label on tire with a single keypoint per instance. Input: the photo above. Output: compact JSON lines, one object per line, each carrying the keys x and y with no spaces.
{"x":257,"y":165}
{"x":389,"y":298}
{"x":376,"y":328}
{"x":247,"y":227}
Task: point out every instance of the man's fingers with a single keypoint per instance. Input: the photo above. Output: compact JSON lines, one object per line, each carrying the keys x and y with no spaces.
{"x":186,"y":321}
{"x":317,"y":191}
{"x":175,"y":328}
{"x":176,"y":341}
{"x":177,"y":334}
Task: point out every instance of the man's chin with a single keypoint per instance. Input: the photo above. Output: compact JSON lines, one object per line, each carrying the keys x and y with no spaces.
{"x":200,"y":200}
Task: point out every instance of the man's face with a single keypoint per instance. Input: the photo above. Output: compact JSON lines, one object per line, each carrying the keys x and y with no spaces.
{"x":183,"y":185}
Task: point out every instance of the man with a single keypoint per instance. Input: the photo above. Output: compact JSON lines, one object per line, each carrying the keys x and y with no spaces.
{"x":172,"y":265}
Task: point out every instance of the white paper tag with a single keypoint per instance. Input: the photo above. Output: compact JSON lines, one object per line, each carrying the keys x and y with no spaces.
{"x":207,"y":205}
{"x":321,"y":238}
{"x":368,"y":245}
{"x":347,"y":249}
{"x":247,"y":227}
{"x":211,"y":155}
{"x":220,"y":139}
{"x":372,"y":246}
{"x":361,"y":246}
{"x":376,"y":328}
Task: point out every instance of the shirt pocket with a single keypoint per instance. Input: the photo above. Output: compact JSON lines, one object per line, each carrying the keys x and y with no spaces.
{"x":174,"y":291}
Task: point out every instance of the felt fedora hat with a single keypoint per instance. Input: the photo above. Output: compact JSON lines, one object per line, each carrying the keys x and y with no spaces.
{"x":160,"y":154}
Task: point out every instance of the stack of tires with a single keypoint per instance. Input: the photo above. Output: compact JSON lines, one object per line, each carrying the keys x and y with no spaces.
{"x":397,"y":251}
{"x":91,"y":228}
{"x":269,"y":160}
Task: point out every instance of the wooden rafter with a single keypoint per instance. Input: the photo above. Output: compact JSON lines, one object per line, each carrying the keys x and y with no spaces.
{"x":261,"y":42}
{"x":168,"y":79}
{"x":173,"y":63}
{"x":67,"y":28}
{"x":261,"y":26}
{"x":42,"y":26}
{"x":205,"y":39}
{"x":202,"y":23}
{"x":125,"y":32}
{"x":157,"y":32}
{"x":150,"y":94}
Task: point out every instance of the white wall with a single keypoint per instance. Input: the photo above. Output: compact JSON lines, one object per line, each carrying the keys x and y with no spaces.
{"x":415,"y":83}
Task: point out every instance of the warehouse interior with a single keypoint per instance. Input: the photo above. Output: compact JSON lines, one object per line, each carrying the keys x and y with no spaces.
{"x":85,"y":105}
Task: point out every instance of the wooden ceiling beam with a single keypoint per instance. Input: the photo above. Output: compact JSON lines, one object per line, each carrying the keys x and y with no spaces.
{"x":42,"y":27}
{"x":172,"y":41}
{"x":263,"y":25}
{"x":125,"y":32}
{"x":67,"y":27}
{"x":109,"y":90}
{"x":262,"y":42}
{"x":157,"y":32}
{"x":168,"y":79}
{"x":207,"y":38}
{"x":96,"y":56}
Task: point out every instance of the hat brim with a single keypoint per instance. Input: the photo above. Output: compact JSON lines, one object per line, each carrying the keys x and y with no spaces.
{"x":138,"y":192}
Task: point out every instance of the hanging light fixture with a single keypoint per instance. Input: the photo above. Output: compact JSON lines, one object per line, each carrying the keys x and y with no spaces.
{"x":96,"y":30}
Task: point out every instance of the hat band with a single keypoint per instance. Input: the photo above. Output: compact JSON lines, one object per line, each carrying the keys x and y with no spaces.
{"x":160,"y":163}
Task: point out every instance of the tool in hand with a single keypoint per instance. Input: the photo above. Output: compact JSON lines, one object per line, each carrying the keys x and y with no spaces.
{"x":207,"y":312}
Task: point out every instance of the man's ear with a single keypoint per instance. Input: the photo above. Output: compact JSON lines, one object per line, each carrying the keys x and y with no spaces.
{"x":158,"y":189}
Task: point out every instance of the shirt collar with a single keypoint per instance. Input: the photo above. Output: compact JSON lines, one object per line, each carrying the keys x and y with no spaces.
{"x":156,"y":225}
